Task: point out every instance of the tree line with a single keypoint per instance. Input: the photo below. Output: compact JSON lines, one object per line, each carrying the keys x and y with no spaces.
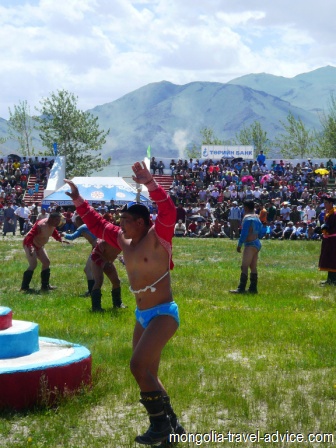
{"x":294,"y":141}
{"x":67,"y":131}
{"x":63,"y":129}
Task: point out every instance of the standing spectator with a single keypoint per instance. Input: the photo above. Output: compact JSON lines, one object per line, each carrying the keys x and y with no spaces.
{"x":153,"y":165}
{"x":263,"y":214}
{"x":327,"y":261}
{"x":284,"y":212}
{"x":250,"y":237}
{"x":180,"y":213}
{"x":235,"y":216}
{"x":22,"y":213}
{"x":261,"y":158}
{"x":36,"y":188}
{"x":9,"y":219}
{"x":309,"y":213}
{"x":295,"y":215}
{"x":69,"y":226}
{"x":204,"y":211}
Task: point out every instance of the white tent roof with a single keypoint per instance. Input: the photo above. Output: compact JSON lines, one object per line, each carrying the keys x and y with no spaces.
{"x":97,"y":189}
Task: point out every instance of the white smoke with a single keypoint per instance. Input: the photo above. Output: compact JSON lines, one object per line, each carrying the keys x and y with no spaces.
{"x":181,"y":141}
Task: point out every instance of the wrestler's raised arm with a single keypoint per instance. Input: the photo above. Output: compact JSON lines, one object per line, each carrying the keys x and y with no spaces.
{"x":99,"y":226}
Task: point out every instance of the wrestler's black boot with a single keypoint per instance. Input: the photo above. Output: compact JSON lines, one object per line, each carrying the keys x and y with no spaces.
{"x":27,"y":276}
{"x":96,"y":301}
{"x":45,"y":276}
{"x":241,"y":286}
{"x":116,"y":298}
{"x":176,"y":425}
{"x":160,"y":426}
{"x":253,"y":283}
{"x":90,"y":284}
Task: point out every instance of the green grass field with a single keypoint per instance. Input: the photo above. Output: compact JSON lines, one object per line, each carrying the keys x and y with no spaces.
{"x":242,"y":363}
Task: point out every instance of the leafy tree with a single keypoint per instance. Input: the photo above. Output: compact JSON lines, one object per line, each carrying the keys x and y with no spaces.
{"x":327,"y":138}
{"x":20,"y":127}
{"x":194,"y":152}
{"x":208,"y":137}
{"x":297,"y":140}
{"x":255,"y":136}
{"x":76,"y":133}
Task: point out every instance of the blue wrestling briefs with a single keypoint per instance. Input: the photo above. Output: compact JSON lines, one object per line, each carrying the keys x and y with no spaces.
{"x":164,"y":309}
{"x":256,"y":243}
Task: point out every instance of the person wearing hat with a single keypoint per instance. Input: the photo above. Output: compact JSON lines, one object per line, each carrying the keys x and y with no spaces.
{"x":147,"y":252}
{"x":327,"y":261}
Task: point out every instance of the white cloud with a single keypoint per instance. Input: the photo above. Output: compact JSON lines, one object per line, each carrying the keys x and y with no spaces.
{"x":103,"y":49}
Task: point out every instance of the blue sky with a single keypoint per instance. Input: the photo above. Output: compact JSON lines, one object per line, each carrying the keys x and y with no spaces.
{"x":102,"y":49}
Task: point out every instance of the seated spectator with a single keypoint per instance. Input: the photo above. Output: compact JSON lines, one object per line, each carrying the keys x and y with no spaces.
{"x":216,"y":228}
{"x":312,"y":232}
{"x":192,"y":230}
{"x":225,"y":230}
{"x":161,"y":167}
{"x":288,"y":230}
{"x":265,"y":230}
{"x":301,"y":232}
{"x":180,"y":229}
{"x":276,"y":233}
{"x":206,"y":232}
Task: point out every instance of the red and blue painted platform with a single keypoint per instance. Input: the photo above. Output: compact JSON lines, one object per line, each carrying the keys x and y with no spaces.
{"x":35,"y":370}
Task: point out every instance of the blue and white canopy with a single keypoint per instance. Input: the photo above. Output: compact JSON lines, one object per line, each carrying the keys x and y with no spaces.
{"x":95,"y":190}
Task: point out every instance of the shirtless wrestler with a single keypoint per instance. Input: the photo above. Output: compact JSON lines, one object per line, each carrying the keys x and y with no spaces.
{"x":147,"y":251}
{"x":33,"y":245}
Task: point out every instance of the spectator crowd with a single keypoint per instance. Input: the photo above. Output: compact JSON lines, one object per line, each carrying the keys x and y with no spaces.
{"x":209,"y":195}
{"x":14,"y":176}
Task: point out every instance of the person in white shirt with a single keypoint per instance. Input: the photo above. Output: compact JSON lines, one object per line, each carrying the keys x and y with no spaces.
{"x":309,"y":213}
{"x":23,"y":213}
{"x":180,"y":229}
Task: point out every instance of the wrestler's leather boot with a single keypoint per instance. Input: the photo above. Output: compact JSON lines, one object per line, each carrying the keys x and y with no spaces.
{"x":176,"y":425}
{"x":160,"y":426}
{"x":90,"y":284}
{"x":27,"y":276}
{"x":96,"y":301}
{"x":241,"y":286}
{"x":253,"y":284}
{"x":45,"y":276}
{"x":116,"y":298}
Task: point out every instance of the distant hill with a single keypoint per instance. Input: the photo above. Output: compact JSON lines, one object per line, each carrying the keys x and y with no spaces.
{"x":169,"y":117}
{"x":309,"y":91}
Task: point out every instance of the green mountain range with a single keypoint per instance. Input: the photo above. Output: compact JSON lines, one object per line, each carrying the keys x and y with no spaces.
{"x":169,"y":117}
